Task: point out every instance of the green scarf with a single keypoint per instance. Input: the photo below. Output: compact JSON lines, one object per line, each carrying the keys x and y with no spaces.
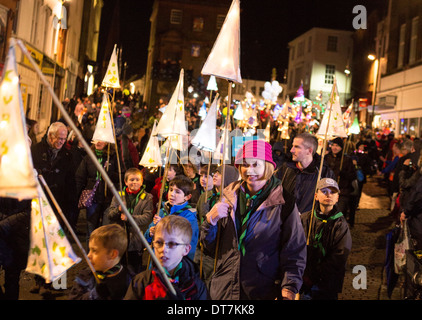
{"x":133,"y":199}
{"x":247,"y":205}
{"x":99,"y":154}
{"x":318,"y":234}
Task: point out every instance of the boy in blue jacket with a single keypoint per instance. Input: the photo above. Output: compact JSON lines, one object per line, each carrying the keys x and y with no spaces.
{"x":180,"y":191}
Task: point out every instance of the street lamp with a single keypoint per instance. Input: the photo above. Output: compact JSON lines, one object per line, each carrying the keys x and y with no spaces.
{"x":373,"y":58}
{"x":347,"y":72}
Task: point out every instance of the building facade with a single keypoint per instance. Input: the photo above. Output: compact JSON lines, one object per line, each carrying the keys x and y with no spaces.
{"x":315,"y":58}
{"x":182,"y":35}
{"x":398,"y":104}
{"x":51,"y":30}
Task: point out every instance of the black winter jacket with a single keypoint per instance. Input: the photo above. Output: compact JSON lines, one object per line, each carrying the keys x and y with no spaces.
{"x":302,"y":183}
{"x":148,"y":285}
{"x":326,"y":267}
{"x":346,"y":175}
{"x":59,"y":173}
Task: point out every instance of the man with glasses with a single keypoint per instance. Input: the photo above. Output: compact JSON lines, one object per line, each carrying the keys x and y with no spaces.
{"x":54,"y":163}
{"x":330,"y":243}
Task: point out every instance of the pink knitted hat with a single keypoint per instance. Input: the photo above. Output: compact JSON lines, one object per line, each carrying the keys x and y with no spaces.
{"x":255,"y":149}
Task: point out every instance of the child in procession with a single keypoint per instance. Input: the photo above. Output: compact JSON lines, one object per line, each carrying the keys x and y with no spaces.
{"x":206,"y":261}
{"x":107,"y":244}
{"x":139,"y":204}
{"x":330,"y":243}
{"x":172,"y":244}
{"x":180,"y":192}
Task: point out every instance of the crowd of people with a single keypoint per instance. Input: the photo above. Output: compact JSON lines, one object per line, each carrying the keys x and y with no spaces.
{"x":274,"y":224}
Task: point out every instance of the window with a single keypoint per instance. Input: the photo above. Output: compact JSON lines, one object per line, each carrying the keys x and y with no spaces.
{"x":329,"y":73}
{"x":253,"y":90}
{"x":195,"y":50}
{"x":301,"y":49}
{"x":309,"y":44}
{"x":220,"y":20}
{"x":413,"y":40}
{"x":332,"y":44}
{"x":198,"y":24}
{"x":403,"y":126}
{"x":401,"y":46}
{"x":292,"y":51}
{"x":176,"y":16}
{"x":298,"y":77}
{"x":413,"y":126}
{"x":291,"y":80}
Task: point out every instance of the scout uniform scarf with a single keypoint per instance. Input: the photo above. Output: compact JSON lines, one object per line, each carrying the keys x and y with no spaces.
{"x":247,"y":205}
{"x":319,"y":232}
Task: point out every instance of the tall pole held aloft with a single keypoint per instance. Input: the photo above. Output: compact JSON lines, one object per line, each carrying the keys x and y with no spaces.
{"x":104,"y":174}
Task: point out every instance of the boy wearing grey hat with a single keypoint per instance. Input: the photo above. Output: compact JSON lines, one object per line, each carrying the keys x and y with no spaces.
{"x":330,"y":243}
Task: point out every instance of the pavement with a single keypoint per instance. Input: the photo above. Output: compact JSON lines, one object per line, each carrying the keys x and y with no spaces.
{"x":372,"y":223}
{"x":365,"y":275}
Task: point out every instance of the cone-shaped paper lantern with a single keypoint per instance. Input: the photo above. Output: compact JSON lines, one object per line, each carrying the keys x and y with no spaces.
{"x":287,"y":109}
{"x":224,"y":59}
{"x":238,"y":113}
{"x":172,"y":122}
{"x":355,"y":128}
{"x":203,"y":111}
{"x":212,"y":84}
{"x":346,"y":117}
{"x":205,"y":138}
{"x":218,"y":154}
{"x":333,"y":120}
{"x":300,"y":94}
{"x":152,"y":157}
{"x":50,"y":253}
{"x":176,"y":142}
{"x":103,"y":129}
{"x":285,"y":131}
{"x":17,"y":178}
{"x":111,"y":78}
{"x":267,"y":132}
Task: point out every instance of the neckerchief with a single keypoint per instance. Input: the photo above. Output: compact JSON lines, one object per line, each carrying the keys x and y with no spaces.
{"x":99,"y":154}
{"x":175,"y":278}
{"x":318,"y":234}
{"x":247,"y":205}
{"x":113,"y":270}
{"x":212,"y":199}
{"x":178,"y":211}
{"x":132,"y":199}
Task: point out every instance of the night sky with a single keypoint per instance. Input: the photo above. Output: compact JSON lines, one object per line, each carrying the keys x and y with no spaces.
{"x":266,"y":28}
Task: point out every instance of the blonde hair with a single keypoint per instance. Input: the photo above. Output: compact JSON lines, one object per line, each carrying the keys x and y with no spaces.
{"x":133,"y":171}
{"x":111,"y":237}
{"x":172,"y":224}
{"x":268,"y":172}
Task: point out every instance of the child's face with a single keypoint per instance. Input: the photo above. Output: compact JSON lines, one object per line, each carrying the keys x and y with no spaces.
{"x":170,"y":258}
{"x":216,"y":179}
{"x":189,"y":170}
{"x":101,"y":258}
{"x":252,"y":170}
{"x":176,"y":196}
{"x":134,"y":182}
{"x":203,"y":181}
{"x":327,"y":196}
{"x":171,"y":173}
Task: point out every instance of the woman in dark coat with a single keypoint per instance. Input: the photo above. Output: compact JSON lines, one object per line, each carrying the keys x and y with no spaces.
{"x":256,"y":232}
{"x":87,"y":175}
